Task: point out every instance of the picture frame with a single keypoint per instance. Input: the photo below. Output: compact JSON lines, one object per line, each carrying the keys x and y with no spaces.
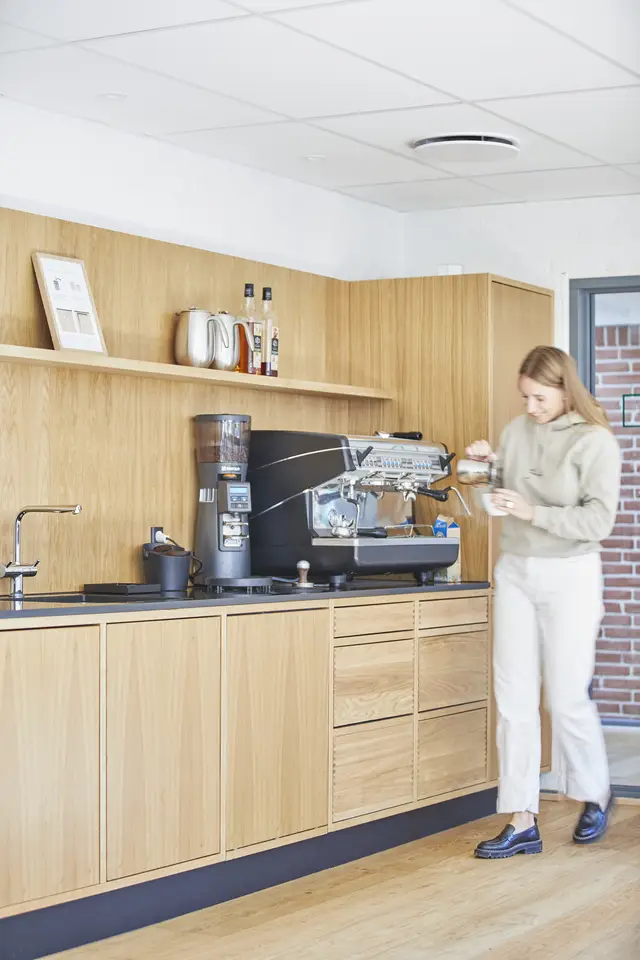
{"x":68,"y":303}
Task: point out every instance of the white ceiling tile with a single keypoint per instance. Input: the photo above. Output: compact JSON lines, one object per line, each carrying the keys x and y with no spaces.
{"x":610,"y":26}
{"x":470,"y":49}
{"x":268,"y":6}
{"x":267,"y":64}
{"x":75,"y":81}
{"x":14,"y":38}
{"x":394,"y":129}
{"x":633,"y":169}
{"x":431,"y":195}
{"x":283,"y":149}
{"x":602,"y":123}
{"x":564,"y":184}
{"x":82,"y":19}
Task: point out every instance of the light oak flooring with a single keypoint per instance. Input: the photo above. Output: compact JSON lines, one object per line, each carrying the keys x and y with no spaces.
{"x":623,"y":748}
{"x":428,"y":900}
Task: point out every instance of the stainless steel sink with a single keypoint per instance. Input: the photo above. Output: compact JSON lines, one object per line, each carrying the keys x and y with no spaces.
{"x":101,"y":598}
{"x":74,"y":598}
{"x":36,"y":600}
{"x":93,"y":598}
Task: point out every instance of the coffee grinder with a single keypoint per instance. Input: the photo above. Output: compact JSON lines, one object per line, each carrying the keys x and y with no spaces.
{"x":224,"y":502}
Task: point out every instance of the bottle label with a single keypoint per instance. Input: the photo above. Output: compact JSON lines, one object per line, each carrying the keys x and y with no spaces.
{"x":257,"y":330}
{"x":275,"y":345}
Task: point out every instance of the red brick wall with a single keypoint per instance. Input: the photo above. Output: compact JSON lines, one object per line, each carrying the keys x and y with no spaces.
{"x":617,"y":680}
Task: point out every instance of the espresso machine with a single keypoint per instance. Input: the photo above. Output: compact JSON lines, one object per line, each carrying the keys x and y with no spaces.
{"x":346,"y":505}
{"x":224,"y":501}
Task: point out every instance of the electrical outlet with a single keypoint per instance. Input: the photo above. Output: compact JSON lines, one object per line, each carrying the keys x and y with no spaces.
{"x":154,"y":532}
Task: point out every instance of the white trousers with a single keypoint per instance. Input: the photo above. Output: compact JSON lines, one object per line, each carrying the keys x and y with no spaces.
{"x":547,"y":613}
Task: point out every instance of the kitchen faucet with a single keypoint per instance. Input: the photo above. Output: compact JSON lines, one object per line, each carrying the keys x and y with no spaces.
{"x":17,"y":570}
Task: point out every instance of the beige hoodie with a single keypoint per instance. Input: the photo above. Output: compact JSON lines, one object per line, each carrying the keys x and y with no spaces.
{"x":569,"y":471}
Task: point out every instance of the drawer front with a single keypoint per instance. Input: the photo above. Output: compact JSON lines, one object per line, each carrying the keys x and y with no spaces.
{"x":372,"y":681}
{"x":373,"y":618}
{"x":452,"y":752}
{"x":453,"y":670}
{"x":453,"y":612}
{"x":372,"y":768}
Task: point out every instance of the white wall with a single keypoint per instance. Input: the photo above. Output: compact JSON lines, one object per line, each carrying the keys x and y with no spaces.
{"x":541,"y":243}
{"x":85,"y":172}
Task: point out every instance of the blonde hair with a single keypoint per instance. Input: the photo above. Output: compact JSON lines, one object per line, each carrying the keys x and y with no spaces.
{"x":554,"y":368}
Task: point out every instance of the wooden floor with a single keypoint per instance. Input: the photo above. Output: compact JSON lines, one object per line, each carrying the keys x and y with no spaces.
{"x":623,"y":749}
{"x":429,"y":900}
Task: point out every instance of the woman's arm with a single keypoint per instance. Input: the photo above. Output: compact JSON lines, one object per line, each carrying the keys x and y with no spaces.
{"x":594,"y":518}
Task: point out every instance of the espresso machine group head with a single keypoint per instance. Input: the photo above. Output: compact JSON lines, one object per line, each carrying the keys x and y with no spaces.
{"x":224,"y":499}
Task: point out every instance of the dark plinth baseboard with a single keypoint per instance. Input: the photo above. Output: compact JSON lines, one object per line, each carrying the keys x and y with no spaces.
{"x":54,"y":929}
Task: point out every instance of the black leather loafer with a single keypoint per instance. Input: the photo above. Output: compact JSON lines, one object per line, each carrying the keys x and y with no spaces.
{"x":593,"y":822}
{"x":509,"y":843}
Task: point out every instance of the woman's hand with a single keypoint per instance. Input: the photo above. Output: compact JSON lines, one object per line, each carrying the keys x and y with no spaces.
{"x":513,"y":504}
{"x":480,"y":450}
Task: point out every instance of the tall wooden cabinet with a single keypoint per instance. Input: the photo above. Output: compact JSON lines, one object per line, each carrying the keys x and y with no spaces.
{"x":450,"y":348}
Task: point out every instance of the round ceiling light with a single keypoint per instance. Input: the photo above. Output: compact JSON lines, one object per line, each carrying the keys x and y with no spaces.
{"x":463,"y":147}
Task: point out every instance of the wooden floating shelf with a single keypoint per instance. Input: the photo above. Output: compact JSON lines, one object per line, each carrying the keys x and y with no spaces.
{"x":98,"y":363}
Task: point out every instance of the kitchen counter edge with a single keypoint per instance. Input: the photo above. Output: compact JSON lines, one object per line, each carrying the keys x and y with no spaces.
{"x":63,"y":609}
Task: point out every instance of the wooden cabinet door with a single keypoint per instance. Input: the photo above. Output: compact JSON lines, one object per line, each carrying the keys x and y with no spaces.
{"x":277,"y":739}
{"x":372,"y":768}
{"x":163,"y":743}
{"x":452,"y":752}
{"x":49,"y":762}
{"x":453,"y":669}
{"x":372,"y":681}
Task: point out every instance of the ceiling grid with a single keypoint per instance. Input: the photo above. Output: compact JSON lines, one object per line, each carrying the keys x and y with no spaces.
{"x":332,"y":92}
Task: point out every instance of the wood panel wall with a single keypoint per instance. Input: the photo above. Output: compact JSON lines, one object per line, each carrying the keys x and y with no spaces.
{"x":123,"y":447}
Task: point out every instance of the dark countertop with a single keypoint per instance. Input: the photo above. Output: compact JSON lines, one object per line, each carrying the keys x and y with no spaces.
{"x":66,"y":607}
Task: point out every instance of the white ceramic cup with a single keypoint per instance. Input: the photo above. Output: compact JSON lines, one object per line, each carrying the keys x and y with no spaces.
{"x":489,"y":506}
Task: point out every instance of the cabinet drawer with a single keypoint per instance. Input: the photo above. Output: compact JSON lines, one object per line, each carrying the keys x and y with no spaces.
{"x":453,"y":669}
{"x":453,"y":612}
{"x":452,"y":752}
{"x":372,"y":768}
{"x":372,"y":681}
{"x":373,"y":618}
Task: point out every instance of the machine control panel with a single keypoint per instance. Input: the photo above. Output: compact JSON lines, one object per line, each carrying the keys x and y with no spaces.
{"x":377,"y":461}
{"x":234,"y":496}
{"x":395,"y":457}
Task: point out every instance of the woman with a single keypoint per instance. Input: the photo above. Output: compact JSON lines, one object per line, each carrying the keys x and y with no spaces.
{"x":560,"y":470}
